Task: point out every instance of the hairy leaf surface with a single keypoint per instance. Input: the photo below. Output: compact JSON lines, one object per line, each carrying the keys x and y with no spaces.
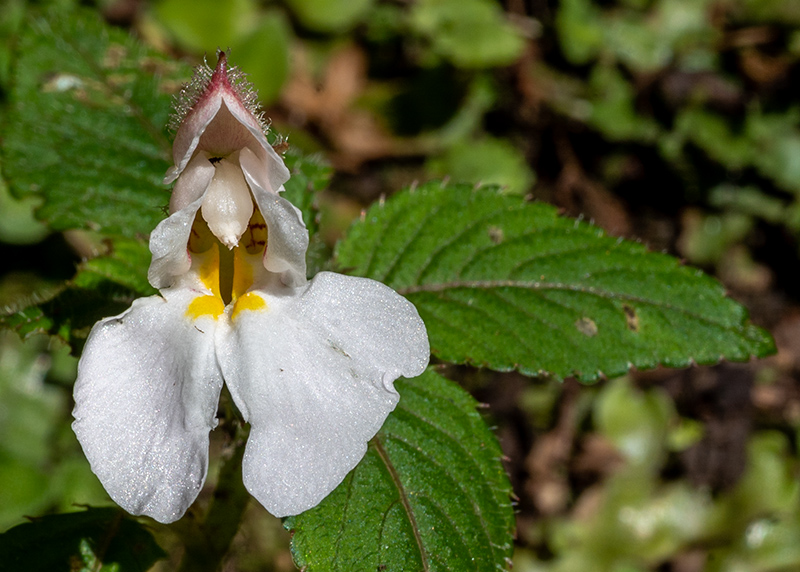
{"x":509,"y":284}
{"x":87,"y":125}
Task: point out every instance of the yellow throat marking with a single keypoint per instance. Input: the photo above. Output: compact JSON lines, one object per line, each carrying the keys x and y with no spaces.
{"x":228,"y":275}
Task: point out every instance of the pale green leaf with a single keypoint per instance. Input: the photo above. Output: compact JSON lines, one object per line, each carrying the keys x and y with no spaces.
{"x":329,"y":15}
{"x":207,"y":25}
{"x":489,"y":160}
{"x":264,"y":55}
{"x":508,"y":284}
{"x":17,"y":223}
{"x":430,"y":494}
{"x":468,"y":33}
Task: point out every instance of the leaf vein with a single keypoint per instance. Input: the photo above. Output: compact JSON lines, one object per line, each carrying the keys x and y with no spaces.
{"x":382,"y":453}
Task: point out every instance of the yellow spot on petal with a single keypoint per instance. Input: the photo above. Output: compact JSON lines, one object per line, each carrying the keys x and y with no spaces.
{"x":250,"y":301}
{"x":205,"y":306}
{"x":209,"y":270}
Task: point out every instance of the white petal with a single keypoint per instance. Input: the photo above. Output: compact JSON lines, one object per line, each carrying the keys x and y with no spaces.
{"x":192,"y":183}
{"x":313,"y":373}
{"x":287,"y":239}
{"x":189,"y":133}
{"x":268,"y":169}
{"x":168,"y":244}
{"x":145,"y":399}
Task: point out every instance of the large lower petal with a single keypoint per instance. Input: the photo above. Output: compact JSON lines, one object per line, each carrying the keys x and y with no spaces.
{"x":145,"y":400}
{"x":313,"y":373}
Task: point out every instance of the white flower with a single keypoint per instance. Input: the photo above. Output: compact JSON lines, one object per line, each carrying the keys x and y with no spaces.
{"x":310,"y":365}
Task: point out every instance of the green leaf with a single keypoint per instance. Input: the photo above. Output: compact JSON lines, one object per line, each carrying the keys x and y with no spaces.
{"x":635,"y":422}
{"x":468,"y":33}
{"x":86,"y":124}
{"x":613,"y":111}
{"x":86,"y":132}
{"x":97,"y":540}
{"x":258,"y":40}
{"x":490,"y":160}
{"x":103,"y":286}
{"x":69,"y":311}
{"x":580,"y":30}
{"x":29,"y":413}
{"x":27,"y":321}
{"x":310,"y":175}
{"x":125,"y":264}
{"x":17,"y":223}
{"x":329,"y":16}
{"x":430,"y":494}
{"x":71,"y":314}
{"x":207,"y":25}
{"x":270,"y":37}
{"x":508,"y":284}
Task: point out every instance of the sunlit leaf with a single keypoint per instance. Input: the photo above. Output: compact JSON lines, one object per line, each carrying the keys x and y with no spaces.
{"x":508,"y":284}
{"x":86,"y":125}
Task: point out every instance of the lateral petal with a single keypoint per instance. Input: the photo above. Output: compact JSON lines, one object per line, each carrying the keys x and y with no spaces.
{"x":267,"y":167}
{"x":313,"y":373}
{"x":168,"y":245}
{"x":145,"y":400}
{"x":192,"y":184}
{"x":287,"y":234}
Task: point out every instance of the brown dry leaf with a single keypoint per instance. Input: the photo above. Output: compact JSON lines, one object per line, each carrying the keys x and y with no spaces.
{"x":762,"y":68}
{"x":692,"y":561}
{"x":781,"y":397}
{"x":547,"y":461}
{"x":738,"y":269}
{"x":329,"y":105}
{"x":589,"y":503}
{"x":547,"y":486}
{"x":787,"y":340}
{"x":598,"y":456}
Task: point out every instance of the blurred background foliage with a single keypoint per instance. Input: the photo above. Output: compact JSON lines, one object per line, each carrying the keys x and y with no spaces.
{"x":673,"y":121}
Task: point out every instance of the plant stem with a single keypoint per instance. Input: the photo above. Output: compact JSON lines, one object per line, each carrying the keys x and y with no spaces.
{"x":206,"y":548}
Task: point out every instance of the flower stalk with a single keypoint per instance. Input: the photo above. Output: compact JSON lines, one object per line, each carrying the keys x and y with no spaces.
{"x":210,"y":541}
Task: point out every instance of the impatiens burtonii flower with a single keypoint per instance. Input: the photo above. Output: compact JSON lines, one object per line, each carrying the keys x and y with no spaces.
{"x":310,"y":365}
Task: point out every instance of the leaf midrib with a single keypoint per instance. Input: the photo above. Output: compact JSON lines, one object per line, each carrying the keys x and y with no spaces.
{"x":542,"y":286}
{"x":384,"y":455}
